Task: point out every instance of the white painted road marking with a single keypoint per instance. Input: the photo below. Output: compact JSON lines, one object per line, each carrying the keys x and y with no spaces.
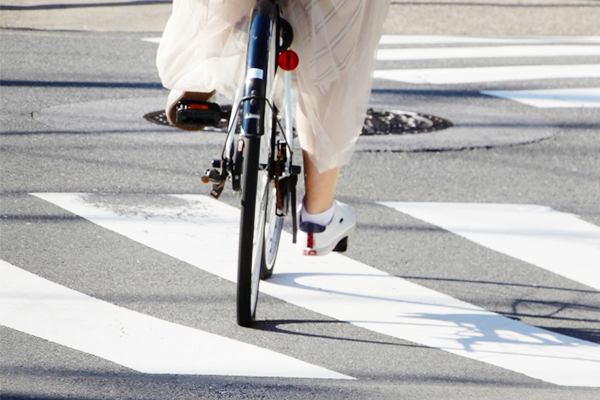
{"x":446,"y":76}
{"x":487,"y":52}
{"x":195,"y":228}
{"x":440,"y":39}
{"x":552,"y":98}
{"x":558,"y":242}
{"x":143,"y":343}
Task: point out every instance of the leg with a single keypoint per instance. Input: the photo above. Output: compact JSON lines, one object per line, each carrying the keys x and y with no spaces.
{"x":320,"y":187}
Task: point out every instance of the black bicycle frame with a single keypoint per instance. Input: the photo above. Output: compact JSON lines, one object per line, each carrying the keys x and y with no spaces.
{"x":264,"y":24}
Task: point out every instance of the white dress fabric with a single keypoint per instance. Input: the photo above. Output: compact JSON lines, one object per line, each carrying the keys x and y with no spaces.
{"x":204,"y":44}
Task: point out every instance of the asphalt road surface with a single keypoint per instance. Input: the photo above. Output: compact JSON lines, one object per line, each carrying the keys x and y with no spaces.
{"x":473,"y":272}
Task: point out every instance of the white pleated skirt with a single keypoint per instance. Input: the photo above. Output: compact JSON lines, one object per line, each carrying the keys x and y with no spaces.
{"x":203,"y":48}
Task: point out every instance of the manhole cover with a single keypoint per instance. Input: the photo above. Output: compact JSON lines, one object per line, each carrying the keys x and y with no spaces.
{"x":378,"y":122}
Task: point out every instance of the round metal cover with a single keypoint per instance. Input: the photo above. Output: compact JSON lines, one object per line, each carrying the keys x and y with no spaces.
{"x":381,"y":122}
{"x":378,"y":122}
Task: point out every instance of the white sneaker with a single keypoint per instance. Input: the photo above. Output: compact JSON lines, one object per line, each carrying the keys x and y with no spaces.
{"x":319,"y":240}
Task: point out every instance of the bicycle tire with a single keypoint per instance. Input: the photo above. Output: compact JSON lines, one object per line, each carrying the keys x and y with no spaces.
{"x":252,"y":224}
{"x":256,"y":122}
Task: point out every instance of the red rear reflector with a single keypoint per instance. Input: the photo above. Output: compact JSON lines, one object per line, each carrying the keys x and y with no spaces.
{"x":198,"y":106}
{"x":288,"y":60}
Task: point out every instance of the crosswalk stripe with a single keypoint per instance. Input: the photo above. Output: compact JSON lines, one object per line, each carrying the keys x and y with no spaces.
{"x":487,"y":52}
{"x":145,"y":344}
{"x":552,"y":98}
{"x":198,"y":229}
{"x":558,"y":242}
{"x":444,"y":76}
{"x":461,"y":40}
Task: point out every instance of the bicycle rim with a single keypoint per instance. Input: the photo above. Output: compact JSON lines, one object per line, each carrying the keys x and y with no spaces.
{"x":273,"y":228}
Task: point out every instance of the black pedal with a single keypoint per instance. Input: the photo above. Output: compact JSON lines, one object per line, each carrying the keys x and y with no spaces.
{"x":198,"y":113}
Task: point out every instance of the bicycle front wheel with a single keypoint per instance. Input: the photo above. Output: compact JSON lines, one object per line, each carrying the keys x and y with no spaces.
{"x":257,"y":131}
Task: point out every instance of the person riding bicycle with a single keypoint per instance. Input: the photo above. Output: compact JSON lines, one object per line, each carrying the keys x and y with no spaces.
{"x":202,"y":52}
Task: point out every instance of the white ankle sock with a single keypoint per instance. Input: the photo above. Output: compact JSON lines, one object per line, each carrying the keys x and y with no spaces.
{"x":323,"y":218}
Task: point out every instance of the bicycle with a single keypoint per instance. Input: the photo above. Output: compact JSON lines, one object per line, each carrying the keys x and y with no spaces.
{"x":259,"y":163}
